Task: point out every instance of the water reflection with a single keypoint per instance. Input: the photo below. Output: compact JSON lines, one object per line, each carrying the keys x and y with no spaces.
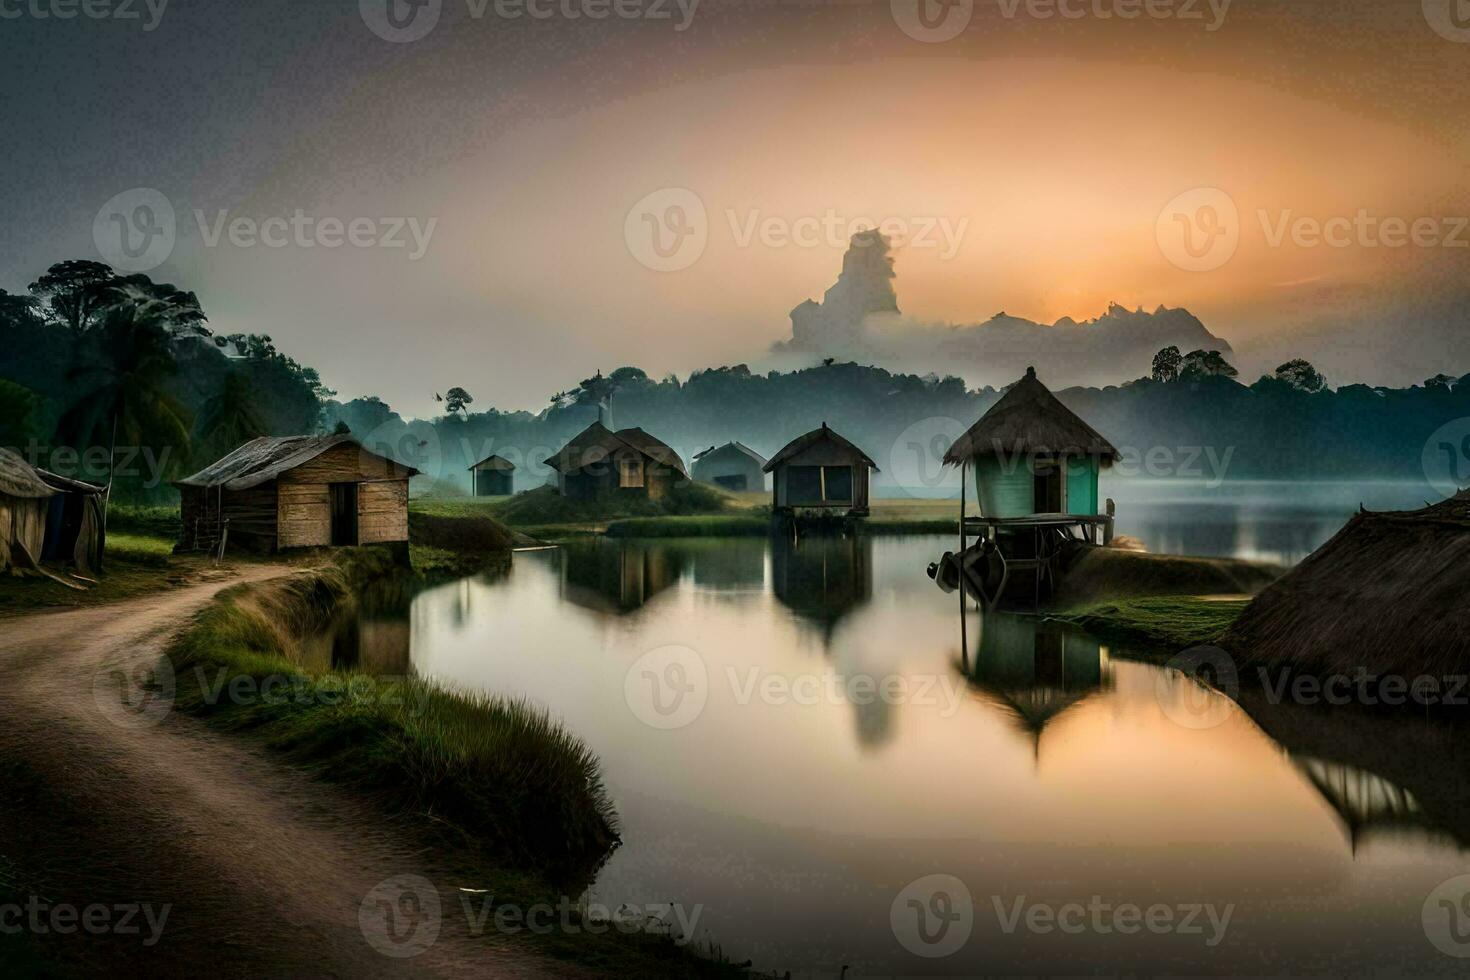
{"x":373,"y":635}
{"x":1034,"y":670}
{"x":822,"y":578}
{"x":615,"y":577}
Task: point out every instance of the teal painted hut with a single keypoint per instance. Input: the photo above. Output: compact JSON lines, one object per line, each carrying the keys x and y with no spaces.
{"x":1033,"y":456}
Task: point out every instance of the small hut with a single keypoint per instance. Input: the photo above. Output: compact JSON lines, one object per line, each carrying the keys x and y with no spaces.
{"x":278,"y":493}
{"x":734,"y":466}
{"x":24,"y":503}
{"x":75,"y":522}
{"x":600,"y":463}
{"x":1032,"y":455}
{"x":821,"y":471}
{"x":493,"y":476}
{"x":1386,"y":593}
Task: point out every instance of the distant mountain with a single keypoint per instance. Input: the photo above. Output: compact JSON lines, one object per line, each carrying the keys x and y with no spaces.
{"x":859,"y":318}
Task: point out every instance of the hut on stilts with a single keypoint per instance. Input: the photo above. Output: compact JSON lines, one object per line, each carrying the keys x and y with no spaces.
{"x":820,"y":474}
{"x":1036,"y":466}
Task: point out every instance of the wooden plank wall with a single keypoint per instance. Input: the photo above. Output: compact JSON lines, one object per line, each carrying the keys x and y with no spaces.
{"x":306,"y":499}
{"x":382,"y":512}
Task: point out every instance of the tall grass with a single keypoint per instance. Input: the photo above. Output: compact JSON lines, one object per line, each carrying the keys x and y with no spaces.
{"x":496,"y":772}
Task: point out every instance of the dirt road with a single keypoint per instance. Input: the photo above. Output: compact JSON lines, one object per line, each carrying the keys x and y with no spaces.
{"x":259,"y":869}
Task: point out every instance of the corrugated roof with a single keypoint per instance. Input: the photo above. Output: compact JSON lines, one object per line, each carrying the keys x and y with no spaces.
{"x":1030,"y":419}
{"x":19,"y":479}
{"x":262,"y":460}
{"x":802,"y":443}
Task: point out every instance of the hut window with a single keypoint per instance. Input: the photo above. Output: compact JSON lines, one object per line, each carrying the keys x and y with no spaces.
{"x":837,"y":483}
{"x":630,"y":472}
{"x":804,"y":485}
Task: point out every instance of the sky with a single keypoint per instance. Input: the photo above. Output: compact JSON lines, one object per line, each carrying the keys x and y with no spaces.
{"x":466,"y":194}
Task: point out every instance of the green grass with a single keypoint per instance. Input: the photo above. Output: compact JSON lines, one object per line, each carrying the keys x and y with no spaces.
{"x":1161,"y":625}
{"x":705,"y":526}
{"x":497,"y":771}
{"x":134,"y":566}
{"x":160,"y":521}
{"x":544,"y":506}
{"x":139,"y":549}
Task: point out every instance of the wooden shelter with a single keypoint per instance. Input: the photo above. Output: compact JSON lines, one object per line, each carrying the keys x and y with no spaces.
{"x":277,"y":493}
{"x":821,"y":471}
{"x":1036,"y":469}
{"x":1386,"y":593}
{"x":601,"y":463}
{"x":24,"y":503}
{"x":734,"y":466}
{"x":493,"y":476}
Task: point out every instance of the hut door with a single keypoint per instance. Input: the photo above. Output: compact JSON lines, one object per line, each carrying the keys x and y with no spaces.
{"x":1047,"y":498}
{"x":344,"y":513}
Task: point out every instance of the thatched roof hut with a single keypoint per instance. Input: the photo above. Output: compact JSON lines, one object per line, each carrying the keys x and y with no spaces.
{"x":24,"y":500}
{"x":1033,"y":455}
{"x":599,"y":462}
{"x":1386,"y":593}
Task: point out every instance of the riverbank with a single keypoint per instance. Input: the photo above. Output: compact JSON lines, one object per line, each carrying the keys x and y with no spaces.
{"x":517,"y":799}
{"x":1158,"y":627}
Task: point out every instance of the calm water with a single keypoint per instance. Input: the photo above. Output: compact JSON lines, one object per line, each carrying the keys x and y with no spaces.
{"x":728,"y":687}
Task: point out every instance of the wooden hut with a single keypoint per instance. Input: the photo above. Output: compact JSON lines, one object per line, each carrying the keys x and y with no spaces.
{"x":1033,"y":455}
{"x":278,"y":493}
{"x":493,"y":476}
{"x":600,"y":463}
{"x":821,"y":471}
{"x":75,"y":522}
{"x":1036,"y":472}
{"x":734,"y":466}
{"x":1386,"y":593}
{"x":24,"y":503}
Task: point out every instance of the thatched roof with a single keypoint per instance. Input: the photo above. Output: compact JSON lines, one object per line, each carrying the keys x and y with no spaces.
{"x":1387,"y":593}
{"x":493,"y":462}
{"x":1029,"y":419}
{"x":738,"y":447}
{"x":802,"y":443}
{"x":597,"y":442}
{"x":19,"y":479}
{"x":262,"y":460}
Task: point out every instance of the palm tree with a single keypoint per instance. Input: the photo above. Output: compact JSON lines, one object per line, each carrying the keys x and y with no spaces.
{"x":122,"y":373}
{"x":230,"y":419}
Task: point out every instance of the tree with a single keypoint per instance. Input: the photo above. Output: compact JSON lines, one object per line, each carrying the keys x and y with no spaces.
{"x":1166,"y":364}
{"x":123,"y":378}
{"x":1443,"y":381}
{"x":1301,"y":375}
{"x":229,"y":419}
{"x":75,"y":291}
{"x":1205,"y":364}
{"x":457,"y":400}
{"x":20,"y":408}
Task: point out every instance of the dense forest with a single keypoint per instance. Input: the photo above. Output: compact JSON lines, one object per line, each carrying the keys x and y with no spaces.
{"x":91,"y":360}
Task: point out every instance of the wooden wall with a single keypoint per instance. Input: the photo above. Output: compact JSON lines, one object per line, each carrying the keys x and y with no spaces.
{"x":382,"y":512}
{"x":825,"y":453}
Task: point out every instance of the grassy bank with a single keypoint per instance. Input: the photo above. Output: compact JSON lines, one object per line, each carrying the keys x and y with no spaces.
{"x":491,"y":770}
{"x":134,"y":566}
{"x":490,"y":783}
{"x":1158,"y":625}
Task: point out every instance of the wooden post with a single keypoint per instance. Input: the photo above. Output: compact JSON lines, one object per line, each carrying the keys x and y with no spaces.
{"x":1108,"y":527}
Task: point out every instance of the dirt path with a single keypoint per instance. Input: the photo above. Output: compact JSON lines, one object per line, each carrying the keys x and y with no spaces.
{"x":263,"y":869}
